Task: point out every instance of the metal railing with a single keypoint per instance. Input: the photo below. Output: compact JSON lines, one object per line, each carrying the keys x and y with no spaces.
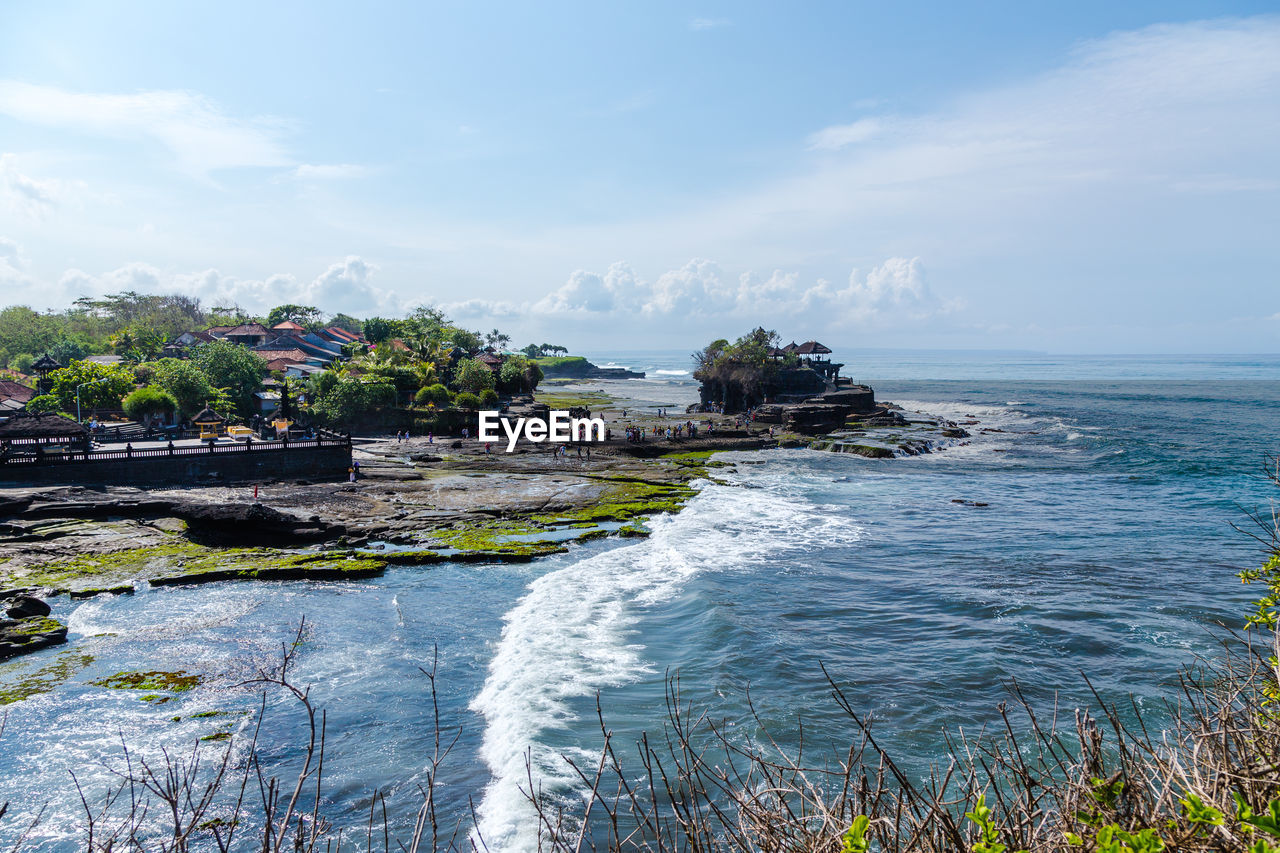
{"x":19,"y":455}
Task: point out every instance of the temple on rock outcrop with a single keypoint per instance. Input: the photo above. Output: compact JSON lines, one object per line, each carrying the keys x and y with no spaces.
{"x":798,"y":384}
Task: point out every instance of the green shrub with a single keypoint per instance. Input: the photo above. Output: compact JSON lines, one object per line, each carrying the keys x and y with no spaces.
{"x":44,"y":403}
{"x":148,"y":401}
{"x":466,"y":400}
{"x":489,"y":398}
{"x":436,"y":394}
{"x":350,"y":399}
{"x":22,"y":362}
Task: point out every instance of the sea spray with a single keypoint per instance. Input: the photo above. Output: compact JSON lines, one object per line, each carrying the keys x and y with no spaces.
{"x":577,"y":631}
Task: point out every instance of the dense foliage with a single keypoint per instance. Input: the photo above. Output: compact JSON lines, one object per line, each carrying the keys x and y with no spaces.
{"x":149,"y":401}
{"x":422,"y":359}
{"x":100,"y":386}
{"x":231,"y":366}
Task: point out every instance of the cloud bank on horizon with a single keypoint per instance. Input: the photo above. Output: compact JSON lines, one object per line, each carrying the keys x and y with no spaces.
{"x":1122,"y":198}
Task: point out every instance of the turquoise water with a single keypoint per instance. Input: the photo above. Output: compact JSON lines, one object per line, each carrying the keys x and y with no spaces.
{"x":1106,"y":547}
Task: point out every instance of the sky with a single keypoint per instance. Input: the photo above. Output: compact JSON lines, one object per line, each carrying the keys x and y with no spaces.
{"x":1085,"y":177}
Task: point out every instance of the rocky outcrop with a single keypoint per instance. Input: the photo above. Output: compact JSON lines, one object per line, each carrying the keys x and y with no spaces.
{"x":29,"y":626}
{"x":243,"y":524}
{"x":23,"y":606}
{"x":814,"y":418}
{"x":580,"y":368}
{"x":250,"y":524}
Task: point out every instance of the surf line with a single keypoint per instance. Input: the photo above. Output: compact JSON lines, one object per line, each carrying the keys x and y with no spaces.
{"x":559,"y":427}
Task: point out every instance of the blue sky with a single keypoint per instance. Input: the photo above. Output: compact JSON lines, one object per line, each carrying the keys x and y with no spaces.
{"x":1084,"y":177}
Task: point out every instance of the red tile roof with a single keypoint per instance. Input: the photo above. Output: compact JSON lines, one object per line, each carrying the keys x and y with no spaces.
{"x":289,"y":325}
{"x":339,"y":332}
{"x":248,"y":329}
{"x":294,"y":355}
{"x":14,"y":391}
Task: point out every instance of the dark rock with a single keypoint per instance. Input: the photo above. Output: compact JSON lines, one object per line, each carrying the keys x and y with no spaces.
{"x":24,"y":606}
{"x":815,"y":418}
{"x":250,"y":524}
{"x":13,"y":506}
{"x":19,"y":636}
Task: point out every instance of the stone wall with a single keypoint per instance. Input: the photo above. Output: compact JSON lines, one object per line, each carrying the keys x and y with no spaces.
{"x":304,"y":463}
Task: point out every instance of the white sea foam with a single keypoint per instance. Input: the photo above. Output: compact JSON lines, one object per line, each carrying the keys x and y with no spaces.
{"x":987,"y":415}
{"x":575,"y":632}
{"x":671,"y":372}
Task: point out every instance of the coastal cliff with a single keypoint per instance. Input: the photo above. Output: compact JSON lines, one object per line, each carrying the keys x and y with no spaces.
{"x":577,"y":367}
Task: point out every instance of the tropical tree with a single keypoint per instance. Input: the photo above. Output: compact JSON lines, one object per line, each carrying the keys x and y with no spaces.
{"x":68,"y":350}
{"x":184,"y":381}
{"x":307,"y":316}
{"x":347,"y":322}
{"x":467,"y":341}
{"x":518,"y":374}
{"x":231,"y":366}
{"x":25,"y":330}
{"x":473,"y":376}
{"x":379,"y":329}
{"x":226,"y":315}
{"x":138,"y":343}
{"x":101,"y":385}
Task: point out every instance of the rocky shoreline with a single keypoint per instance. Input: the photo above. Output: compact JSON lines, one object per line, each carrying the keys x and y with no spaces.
{"x":416,"y":502}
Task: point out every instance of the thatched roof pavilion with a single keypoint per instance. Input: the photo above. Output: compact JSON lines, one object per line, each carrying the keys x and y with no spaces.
{"x":42,"y":428}
{"x":45,"y":363}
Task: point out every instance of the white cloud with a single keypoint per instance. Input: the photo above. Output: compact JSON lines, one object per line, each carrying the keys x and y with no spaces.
{"x":840,"y":136}
{"x":618,"y":289}
{"x":214,"y":288}
{"x":347,"y":287}
{"x":892,"y":294}
{"x":199,"y":135}
{"x":135,"y":276}
{"x":11,"y":253}
{"x":25,"y":195}
{"x":13,"y":265}
{"x":481,"y":310}
{"x":699,"y":24}
{"x":329,"y":171}
{"x":698,"y":289}
{"x":343,"y":287}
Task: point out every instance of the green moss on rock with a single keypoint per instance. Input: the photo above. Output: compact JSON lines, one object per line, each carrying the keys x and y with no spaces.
{"x":155,"y":680}
{"x":184,"y":562}
{"x":45,"y":679}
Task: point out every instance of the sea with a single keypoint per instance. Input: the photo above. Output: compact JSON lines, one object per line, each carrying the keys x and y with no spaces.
{"x":1086,"y":537}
